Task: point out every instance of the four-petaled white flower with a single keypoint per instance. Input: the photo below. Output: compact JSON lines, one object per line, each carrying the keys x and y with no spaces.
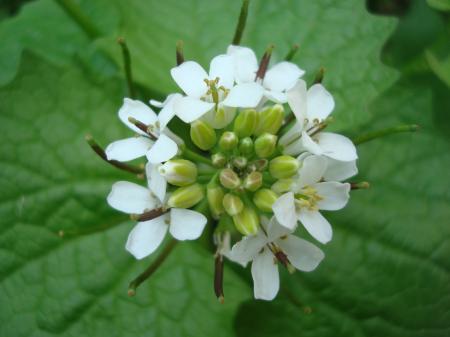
{"x":164,"y":148}
{"x":261,"y":248}
{"x":249,"y":91}
{"x":308,"y":195}
{"x":311,"y":107}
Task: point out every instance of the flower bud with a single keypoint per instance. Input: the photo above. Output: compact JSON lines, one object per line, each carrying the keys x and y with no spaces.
{"x":229,"y":179}
{"x":240,"y":162}
{"x":232,"y":204}
{"x":228,"y":141}
{"x":246,"y":145}
{"x":282,"y":186}
{"x":203,"y":135}
{"x":186,"y":197}
{"x":245,"y":123}
{"x":218,"y":159}
{"x":265,"y":145}
{"x":283,"y":167}
{"x":258,"y":165}
{"x":270,"y":120}
{"x":215,"y":195}
{"x":179,"y":172}
{"x":247,"y":221}
{"x":264,"y":199}
{"x":253,"y":181}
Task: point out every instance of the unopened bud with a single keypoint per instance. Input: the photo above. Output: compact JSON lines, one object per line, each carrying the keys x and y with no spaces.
{"x":247,"y":222}
{"x":265,"y":145}
{"x":215,"y":198}
{"x":245,"y":123}
{"x":283,"y":167}
{"x":203,"y":135}
{"x":186,"y":197}
{"x":232,"y":204}
{"x":240,"y":162}
{"x":258,"y":165}
{"x":179,"y":172}
{"x":229,"y":179}
{"x":228,"y":141}
{"x":270,"y":120}
{"x":246,"y":145}
{"x":282,"y":186}
{"x":218,"y":159}
{"x":264,"y":199}
{"x":253,"y":181}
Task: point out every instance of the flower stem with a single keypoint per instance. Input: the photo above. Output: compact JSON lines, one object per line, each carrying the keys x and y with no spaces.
{"x":384,"y":132}
{"x":241,"y":23}
{"x":152,"y":268}
{"x":195,"y":157}
{"x":127,"y":66}
{"x":74,"y":11}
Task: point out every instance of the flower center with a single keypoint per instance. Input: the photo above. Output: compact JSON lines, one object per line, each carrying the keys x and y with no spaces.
{"x":215,"y":94}
{"x":307,"y":198}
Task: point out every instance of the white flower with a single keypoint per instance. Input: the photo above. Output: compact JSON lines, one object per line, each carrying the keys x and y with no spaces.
{"x":249,"y":91}
{"x":308,"y":195}
{"x":311,"y":107}
{"x":146,"y":236}
{"x":261,"y":249}
{"x":204,"y":92}
{"x":164,"y":148}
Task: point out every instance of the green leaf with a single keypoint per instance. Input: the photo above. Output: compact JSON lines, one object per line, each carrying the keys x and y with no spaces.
{"x":441,"y":5}
{"x":52,"y":181}
{"x":386,"y":271}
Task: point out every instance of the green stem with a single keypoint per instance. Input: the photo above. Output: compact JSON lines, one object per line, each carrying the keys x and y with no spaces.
{"x":384,"y":132}
{"x":127,"y":66}
{"x":74,"y":11}
{"x":195,"y":157}
{"x":241,"y":23}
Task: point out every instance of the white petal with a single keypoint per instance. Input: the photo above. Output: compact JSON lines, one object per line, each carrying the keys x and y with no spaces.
{"x":282,"y":76}
{"x":336,"y":146}
{"x":302,"y":254}
{"x":190,"y":78}
{"x":275,"y":230}
{"x":284,"y":210}
{"x":245,"y":250}
{"x":146,"y":236}
{"x":186,"y":224}
{"x":312,"y":169}
{"x":190,"y":109}
{"x":167,"y":112}
{"x":163,"y":150}
{"x":130,"y":198}
{"x":335,"y":195}
{"x":245,"y":95}
{"x":222,"y":66}
{"x":340,"y":170}
{"x":137,"y":110}
{"x":292,"y":134}
{"x":296,"y":98}
{"x":276,"y":96}
{"x":155,"y":103}
{"x":308,"y":144}
{"x":245,"y":63}
{"x":266,"y":281}
{"x":316,"y":225}
{"x":320,"y":102}
{"x":128,"y":148}
{"x":156,"y":182}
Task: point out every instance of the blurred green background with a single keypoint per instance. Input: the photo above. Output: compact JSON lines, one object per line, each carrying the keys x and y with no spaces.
{"x":387,"y":270}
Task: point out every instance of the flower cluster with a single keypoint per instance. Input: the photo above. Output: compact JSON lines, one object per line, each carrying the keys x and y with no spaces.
{"x":257,"y":162}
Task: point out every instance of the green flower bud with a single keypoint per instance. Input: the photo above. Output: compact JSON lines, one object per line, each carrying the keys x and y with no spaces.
{"x":179,"y":172}
{"x":203,"y":135}
{"x":270,"y":120}
{"x":265,"y":145}
{"x":247,"y":222}
{"x":232,"y":204}
{"x":186,"y":197}
{"x":245,"y":123}
{"x":253,"y":181}
{"x":215,"y":194}
{"x":282,"y":186}
{"x":264,"y":199}
{"x":228,"y":141}
{"x":229,"y":179}
{"x":246,"y":145}
{"x":283,"y":167}
{"x":218,"y":159}
{"x":258,"y":165}
{"x":240,"y":162}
